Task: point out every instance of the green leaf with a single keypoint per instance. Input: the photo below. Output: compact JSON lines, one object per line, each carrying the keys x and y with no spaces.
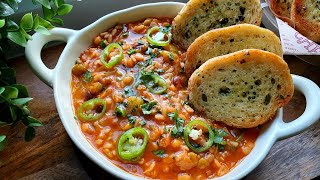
{"x":56,"y":3}
{"x":45,"y":23}
{"x":64,"y":9}
{"x":13,"y":112}
{"x":33,"y":122}
{"x":10,"y":92}
{"x":25,"y":34}
{"x":147,"y":107}
{"x":44,"y":3}
{"x":21,"y":101}
{"x":1,"y":90}
{"x":35,"y":22}
{"x":5,"y":9}
{"x":159,"y":153}
{"x":30,"y":133}
{"x":2,"y":63}
{"x":57,"y":21}
{"x":60,"y":2}
{"x":87,"y":77}
{"x":3,"y":142}
{"x":2,"y":22}
{"x":12,"y":26}
{"x":27,"y":22}
{"x":13,"y":4}
{"x":42,"y":30}
{"x":23,"y":92}
{"x":177,"y":130}
{"x":18,"y":38}
{"x":132,"y":119}
{"x":219,"y":140}
{"x":7,"y":76}
{"x":48,"y":13}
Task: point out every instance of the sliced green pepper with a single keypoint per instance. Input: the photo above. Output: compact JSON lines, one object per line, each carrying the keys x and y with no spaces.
{"x":193,"y":145}
{"x":132,"y":144}
{"x":113,"y":60}
{"x":92,"y":110}
{"x":157,"y":39}
{"x":121,"y":110}
{"x":155,"y":83}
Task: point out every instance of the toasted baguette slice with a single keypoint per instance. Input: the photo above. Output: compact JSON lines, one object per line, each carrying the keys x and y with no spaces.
{"x":306,"y":16}
{"x":226,"y":40}
{"x":200,"y":16}
{"x":282,"y":9}
{"x":243,"y":89}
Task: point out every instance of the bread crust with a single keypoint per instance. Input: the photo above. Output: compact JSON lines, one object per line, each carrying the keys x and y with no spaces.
{"x":306,"y":16}
{"x":230,"y":39}
{"x":200,"y":16}
{"x":205,"y":80}
{"x":282,"y":9}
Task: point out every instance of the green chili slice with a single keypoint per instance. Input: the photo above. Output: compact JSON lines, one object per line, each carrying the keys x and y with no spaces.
{"x":192,"y":144}
{"x":158,"y":38}
{"x":155,"y":83}
{"x":132,"y":144}
{"x":113,"y":60}
{"x":92,"y":110}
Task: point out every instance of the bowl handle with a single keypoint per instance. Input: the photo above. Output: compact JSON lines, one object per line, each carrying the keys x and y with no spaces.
{"x":34,"y":47}
{"x":310,"y":115}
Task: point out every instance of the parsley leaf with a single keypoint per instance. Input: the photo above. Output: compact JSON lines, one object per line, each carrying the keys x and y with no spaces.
{"x":218,"y":136}
{"x":128,"y":91}
{"x":132,"y":51}
{"x":177,"y":130}
{"x":121,"y":110}
{"x":159,"y":153}
{"x":147,"y":107}
{"x":131,"y":119}
{"x":87,"y":77}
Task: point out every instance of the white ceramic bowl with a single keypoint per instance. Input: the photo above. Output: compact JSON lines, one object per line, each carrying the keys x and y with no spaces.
{"x":77,"y":41}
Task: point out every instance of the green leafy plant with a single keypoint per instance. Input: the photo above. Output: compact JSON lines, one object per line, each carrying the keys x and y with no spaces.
{"x":14,"y":97}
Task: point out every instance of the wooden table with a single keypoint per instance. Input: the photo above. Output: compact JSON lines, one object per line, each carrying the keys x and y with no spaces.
{"x":52,"y":155}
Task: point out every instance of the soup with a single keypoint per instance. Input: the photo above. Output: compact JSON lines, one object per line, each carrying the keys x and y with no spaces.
{"x":130,"y":98}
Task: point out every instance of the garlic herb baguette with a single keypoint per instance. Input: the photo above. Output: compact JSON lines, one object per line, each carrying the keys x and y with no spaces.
{"x":243,"y":89}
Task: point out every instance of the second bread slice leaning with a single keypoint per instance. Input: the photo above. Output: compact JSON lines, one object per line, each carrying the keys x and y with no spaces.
{"x":242,"y":89}
{"x":228,"y":40}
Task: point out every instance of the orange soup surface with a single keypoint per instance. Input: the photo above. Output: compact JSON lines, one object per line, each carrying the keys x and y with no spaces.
{"x":130,"y":97}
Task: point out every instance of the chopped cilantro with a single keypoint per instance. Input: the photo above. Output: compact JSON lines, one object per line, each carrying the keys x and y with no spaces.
{"x":121,"y":110}
{"x":103,"y":44}
{"x":125,"y":34}
{"x":128,"y":91}
{"x":147,"y":107}
{"x":177,"y":130}
{"x":160,"y":153}
{"x":87,"y":77}
{"x":132,"y":51}
{"x":140,"y":42}
{"x":218,"y":136}
{"x":143,"y":122}
{"x":131,"y":119}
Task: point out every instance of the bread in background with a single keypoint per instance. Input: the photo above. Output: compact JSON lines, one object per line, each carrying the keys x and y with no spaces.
{"x":230,"y":39}
{"x":306,"y":17}
{"x":282,"y":9}
{"x":200,"y":16}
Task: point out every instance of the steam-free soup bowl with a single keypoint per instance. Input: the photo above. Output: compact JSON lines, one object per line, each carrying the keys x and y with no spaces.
{"x":79,"y":40}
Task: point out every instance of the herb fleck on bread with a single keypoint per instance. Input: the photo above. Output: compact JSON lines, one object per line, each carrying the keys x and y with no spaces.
{"x":200,"y":16}
{"x":242,"y":89}
{"x":227,"y":40}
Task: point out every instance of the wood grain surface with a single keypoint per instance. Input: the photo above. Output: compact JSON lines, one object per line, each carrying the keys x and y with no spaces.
{"x":52,"y":155}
